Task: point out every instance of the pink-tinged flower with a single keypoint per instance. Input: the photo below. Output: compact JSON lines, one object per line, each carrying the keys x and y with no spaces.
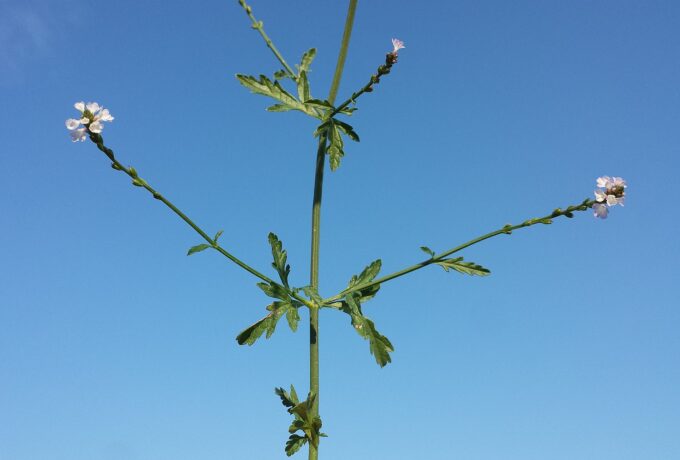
{"x":397,"y":45}
{"x":614,"y":193}
{"x":79,"y":134}
{"x":600,"y":210}
{"x":91,"y":117}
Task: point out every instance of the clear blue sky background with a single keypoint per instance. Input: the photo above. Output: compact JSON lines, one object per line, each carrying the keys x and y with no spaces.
{"x":116,"y":346}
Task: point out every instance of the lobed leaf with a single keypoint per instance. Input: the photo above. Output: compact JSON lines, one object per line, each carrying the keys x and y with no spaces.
{"x":335,"y":147}
{"x":275,"y":291}
{"x":468,"y":268}
{"x":265,"y":325}
{"x":280,"y":258}
{"x":288,"y":400}
{"x":380,"y":346}
{"x":273,"y":89}
{"x":347,"y":130}
{"x":306,"y":60}
{"x":303,"y":87}
{"x":294,"y":444}
{"x":293,"y":318}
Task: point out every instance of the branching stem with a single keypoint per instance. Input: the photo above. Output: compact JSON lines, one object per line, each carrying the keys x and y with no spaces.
{"x":507,"y":229}
{"x":99,"y":142}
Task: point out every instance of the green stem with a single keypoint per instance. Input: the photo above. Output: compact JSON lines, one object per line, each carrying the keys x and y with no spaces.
{"x":316,"y":224}
{"x":507,"y":229}
{"x":260,"y":28}
{"x":99,"y":142}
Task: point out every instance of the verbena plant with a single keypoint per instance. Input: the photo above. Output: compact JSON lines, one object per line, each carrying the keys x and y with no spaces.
{"x":332,"y":132}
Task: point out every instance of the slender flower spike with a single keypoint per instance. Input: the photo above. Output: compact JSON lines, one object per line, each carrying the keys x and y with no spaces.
{"x":614,"y":193}
{"x":91,"y":117}
{"x":397,"y":45}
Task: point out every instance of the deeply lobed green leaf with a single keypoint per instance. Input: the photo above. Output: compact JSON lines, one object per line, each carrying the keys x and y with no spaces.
{"x":380,"y":346}
{"x":273,"y":89}
{"x":280,"y":258}
{"x":468,"y":268}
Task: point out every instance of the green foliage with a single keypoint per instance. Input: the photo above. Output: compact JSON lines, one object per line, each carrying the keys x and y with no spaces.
{"x":380,"y":346}
{"x":427,"y":250}
{"x":280,"y":258}
{"x":267,"y":324}
{"x":468,"y":268}
{"x":275,"y":291}
{"x":295,"y":443}
{"x":332,"y":130}
{"x":198,"y":248}
{"x":366,"y":276}
{"x":313,"y":295}
{"x":293,"y":318}
{"x":306,"y":60}
{"x":303,"y":87}
{"x":305,"y":420}
{"x":273,"y":89}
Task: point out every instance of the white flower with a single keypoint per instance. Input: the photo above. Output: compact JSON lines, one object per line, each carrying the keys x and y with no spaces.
{"x":600,"y":210}
{"x":397,"y":45}
{"x":78,"y":134}
{"x":614,"y":193}
{"x":604,"y":181}
{"x":72,"y":123}
{"x":91,"y":117}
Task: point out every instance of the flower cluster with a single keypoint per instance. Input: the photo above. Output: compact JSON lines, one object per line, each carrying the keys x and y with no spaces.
{"x":611,"y":191}
{"x":91,"y":117}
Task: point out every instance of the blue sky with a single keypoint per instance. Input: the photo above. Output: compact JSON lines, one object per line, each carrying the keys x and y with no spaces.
{"x":115,"y":345}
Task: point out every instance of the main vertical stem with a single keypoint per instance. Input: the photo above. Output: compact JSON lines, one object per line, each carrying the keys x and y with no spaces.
{"x":316,"y":223}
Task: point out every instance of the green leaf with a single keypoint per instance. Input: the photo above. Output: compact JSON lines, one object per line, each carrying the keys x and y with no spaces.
{"x":279,"y":108}
{"x":294,"y":444}
{"x":322,"y":130}
{"x":275,"y":290}
{"x":348,"y":130}
{"x":250,"y":335}
{"x":281,"y":74}
{"x":288,"y":400}
{"x":303,"y":87}
{"x":348,"y":110}
{"x":293,"y":318}
{"x":367,"y":275}
{"x":307,"y":59}
{"x":198,"y":248}
{"x":335,"y":145}
{"x":380,"y":346}
{"x":313,"y":294}
{"x":468,"y":268}
{"x":273,"y":89}
{"x":427,"y":250}
{"x":319,"y":104}
{"x":280,"y":258}
{"x":267,"y":324}
{"x":304,"y":421}
{"x":217,"y":236}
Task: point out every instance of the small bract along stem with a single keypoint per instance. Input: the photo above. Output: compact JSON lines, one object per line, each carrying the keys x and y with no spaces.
{"x":316,"y":223}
